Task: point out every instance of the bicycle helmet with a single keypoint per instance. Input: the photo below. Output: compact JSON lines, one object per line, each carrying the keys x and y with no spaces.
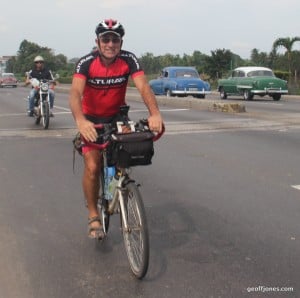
{"x":110,"y":26}
{"x":38,"y":59}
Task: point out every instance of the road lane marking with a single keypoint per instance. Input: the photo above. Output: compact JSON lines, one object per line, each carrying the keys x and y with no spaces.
{"x":265,"y":103}
{"x":68,"y":111}
{"x":15,"y":114}
{"x":162,"y":110}
{"x":62,"y":108}
{"x":296,"y":186}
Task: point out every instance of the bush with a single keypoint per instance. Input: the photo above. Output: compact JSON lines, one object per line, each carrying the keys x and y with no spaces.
{"x":65,"y":80}
{"x":294,"y":88}
{"x":284,"y":75}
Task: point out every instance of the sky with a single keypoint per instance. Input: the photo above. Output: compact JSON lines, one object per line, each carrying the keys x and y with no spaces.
{"x":151,"y":26}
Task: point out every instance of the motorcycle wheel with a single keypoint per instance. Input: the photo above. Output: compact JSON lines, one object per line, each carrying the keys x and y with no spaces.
{"x":46,"y":115}
{"x":37,"y":115}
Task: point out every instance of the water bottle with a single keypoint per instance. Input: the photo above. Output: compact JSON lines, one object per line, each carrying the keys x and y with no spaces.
{"x":112,"y":186}
{"x":109,"y":175}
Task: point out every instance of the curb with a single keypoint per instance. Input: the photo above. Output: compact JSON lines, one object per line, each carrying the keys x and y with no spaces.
{"x":187,"y":102}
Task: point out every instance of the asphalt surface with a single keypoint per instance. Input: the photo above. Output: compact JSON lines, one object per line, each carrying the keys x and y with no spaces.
{"x":222,"y":201}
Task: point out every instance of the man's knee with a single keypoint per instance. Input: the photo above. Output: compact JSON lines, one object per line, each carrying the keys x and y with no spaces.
{"x":32,"y":93}
{"x":92,"y":167}
{"x":51,"y":94}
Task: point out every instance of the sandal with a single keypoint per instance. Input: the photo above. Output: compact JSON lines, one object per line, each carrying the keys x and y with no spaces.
{"x":95,"y":232}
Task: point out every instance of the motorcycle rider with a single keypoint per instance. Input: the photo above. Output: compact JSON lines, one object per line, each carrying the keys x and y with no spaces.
{"x":39,"y":72}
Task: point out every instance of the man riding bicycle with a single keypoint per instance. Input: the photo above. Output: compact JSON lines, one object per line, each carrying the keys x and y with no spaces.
{"x":97,"y":92}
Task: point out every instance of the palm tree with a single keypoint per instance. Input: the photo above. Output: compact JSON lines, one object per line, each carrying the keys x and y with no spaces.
{"x":287,"y":43}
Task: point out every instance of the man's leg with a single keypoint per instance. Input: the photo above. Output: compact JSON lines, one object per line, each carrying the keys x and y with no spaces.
{"x":51,"y":99}
{"x":91,"y":183}
{"x":31,"y":102}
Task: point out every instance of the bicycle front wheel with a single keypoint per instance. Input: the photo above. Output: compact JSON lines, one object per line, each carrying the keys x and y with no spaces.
{"x":136,"y":236}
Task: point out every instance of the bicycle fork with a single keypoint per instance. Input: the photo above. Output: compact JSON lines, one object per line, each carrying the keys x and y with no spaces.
{"x":120,"y":196}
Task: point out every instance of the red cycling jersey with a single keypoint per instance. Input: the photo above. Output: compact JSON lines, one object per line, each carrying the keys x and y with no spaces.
{"x":106,"y":86}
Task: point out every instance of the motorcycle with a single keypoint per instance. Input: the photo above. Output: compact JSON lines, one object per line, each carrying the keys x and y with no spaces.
{"x":41,"y":101}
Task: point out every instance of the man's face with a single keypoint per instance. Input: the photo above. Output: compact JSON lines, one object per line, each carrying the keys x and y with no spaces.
{"x":39,"y":65}
{"x":110,"y":45}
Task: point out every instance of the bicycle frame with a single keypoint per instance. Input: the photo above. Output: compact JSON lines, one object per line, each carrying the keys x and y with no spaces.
{"x":118,"y":195}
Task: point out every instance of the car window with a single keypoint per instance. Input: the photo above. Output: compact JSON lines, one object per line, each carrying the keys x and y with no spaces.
{"x":260,"y":73}
{"x":186,"y":74}
{"x":235,"y":74}
{"x":7,"y":75}
{"x":241,"y":74}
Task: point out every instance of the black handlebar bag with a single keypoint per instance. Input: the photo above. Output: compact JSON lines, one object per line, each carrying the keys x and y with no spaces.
{"x":132,"y":149}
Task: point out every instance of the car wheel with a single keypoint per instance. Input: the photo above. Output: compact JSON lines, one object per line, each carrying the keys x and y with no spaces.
{"x":199,"y":96}
{"x":223,"y":94}
{"x":276,"y":96}
{"x":248,"y":95}
{"x":169,"y":93}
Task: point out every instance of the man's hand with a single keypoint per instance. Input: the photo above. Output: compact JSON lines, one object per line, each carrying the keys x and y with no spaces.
{"x":27,"y":82}
{"x":87,"y":130}
{"x":155,"y":123}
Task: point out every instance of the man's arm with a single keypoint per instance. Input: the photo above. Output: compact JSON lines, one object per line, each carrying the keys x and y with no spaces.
{"x":27,"y":78}
{"x":155,"y":120}
{"x":51,"y":78}
{"x":85,"y":127}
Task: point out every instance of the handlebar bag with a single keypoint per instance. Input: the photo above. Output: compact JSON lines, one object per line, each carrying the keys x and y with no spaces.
{"x":132,"y":149}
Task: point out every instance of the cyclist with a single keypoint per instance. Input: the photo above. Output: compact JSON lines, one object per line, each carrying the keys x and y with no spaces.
{"x":98,"y":90}
{"x":39,"y":72}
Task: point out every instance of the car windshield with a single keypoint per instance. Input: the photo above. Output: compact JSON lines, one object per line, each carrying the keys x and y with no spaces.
{"x":260,"y":73}
{"x":186,"y":74}
{"x":7,"y":75}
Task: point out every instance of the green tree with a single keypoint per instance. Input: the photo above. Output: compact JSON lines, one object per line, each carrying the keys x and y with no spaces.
{"x":286,"y":43}
{"x":150,"y":63}
{"x":10,"y":65}
{"x":259,"y":58}
{"x":218,"y":63}
{"x":198,"y":60}
{"x":28,"y":50}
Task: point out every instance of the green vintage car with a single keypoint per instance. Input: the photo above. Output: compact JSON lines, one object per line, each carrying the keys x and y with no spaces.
{"x":252,"y":80}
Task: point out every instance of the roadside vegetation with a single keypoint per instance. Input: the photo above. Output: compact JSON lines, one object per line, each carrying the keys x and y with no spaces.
{"x":282,"y":59}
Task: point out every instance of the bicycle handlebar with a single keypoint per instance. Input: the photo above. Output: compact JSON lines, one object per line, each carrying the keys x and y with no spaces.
{"x":109,"y":131}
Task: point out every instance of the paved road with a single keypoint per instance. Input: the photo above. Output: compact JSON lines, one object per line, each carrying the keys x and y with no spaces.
{"x":222,"y":199}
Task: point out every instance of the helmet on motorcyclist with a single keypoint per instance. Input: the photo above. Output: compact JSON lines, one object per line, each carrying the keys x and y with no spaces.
{"x":110,"y":26}
{"x":38,"y":59}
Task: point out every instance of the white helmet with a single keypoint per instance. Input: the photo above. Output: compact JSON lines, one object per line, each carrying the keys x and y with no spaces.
{"x":38,"y":59}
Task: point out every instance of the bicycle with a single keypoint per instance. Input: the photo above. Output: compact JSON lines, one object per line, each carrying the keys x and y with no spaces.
{"x":126,"y":198}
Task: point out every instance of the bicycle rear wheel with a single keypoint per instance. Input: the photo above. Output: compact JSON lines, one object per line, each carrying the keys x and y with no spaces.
{"x":136,"y":237}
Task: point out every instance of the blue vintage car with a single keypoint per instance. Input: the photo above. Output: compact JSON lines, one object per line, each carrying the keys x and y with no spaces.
{"x":180,"y":81}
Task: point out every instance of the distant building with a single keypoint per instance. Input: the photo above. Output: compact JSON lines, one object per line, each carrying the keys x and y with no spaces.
{"x":3,"y":61}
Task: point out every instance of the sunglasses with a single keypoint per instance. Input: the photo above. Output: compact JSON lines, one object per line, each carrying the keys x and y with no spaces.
{"x":114,"y":40}
{"x":39,"y":62}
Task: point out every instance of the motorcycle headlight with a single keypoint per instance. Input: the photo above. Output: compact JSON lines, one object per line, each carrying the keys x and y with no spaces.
{"x":44,"y":87}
